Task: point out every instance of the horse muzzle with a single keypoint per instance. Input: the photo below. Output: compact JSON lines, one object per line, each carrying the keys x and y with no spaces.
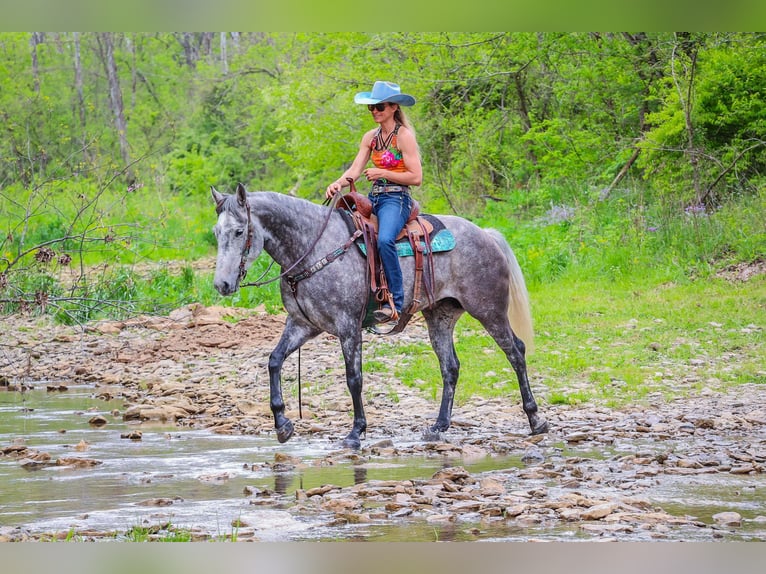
{"x":225,"y":287}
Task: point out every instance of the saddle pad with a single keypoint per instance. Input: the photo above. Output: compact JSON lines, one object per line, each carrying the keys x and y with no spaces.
{"x":441,"y":237}
{"x":440,"y":241}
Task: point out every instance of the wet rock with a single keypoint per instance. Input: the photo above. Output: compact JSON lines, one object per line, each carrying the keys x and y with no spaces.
{"x":728,"y":519}
{"x":97,"y":421}
{"x":526,"y":520}
{"x":160,"y":501}
{"x":32,"y":464}
{"x":221,"y":477}
{"x":281,"y":457}
{"x":132,"y":435}
{"x":56,"y":388}
{"x":440,"y":518}
{"x":78,"y":462}
{"x":576,"y":437}
{"x":598,"y":511}
{"x":13,"y":450}
{"x":532,"y":455}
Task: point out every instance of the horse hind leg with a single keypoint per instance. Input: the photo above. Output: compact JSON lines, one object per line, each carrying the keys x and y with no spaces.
{"x":441,"y":322}
{"x":499,"y":328}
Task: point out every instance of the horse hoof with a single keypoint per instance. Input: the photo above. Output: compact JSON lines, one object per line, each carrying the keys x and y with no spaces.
{"x":540,"y":428}
{"x":432,"y":434}
{"x":352,"y":442}
{"x":285,"y":432}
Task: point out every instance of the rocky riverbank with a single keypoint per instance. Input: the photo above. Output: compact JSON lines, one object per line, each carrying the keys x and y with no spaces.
{"x":599,"y":473}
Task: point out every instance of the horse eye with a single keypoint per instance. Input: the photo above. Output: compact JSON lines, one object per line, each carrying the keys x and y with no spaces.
{"x":238,"y":232}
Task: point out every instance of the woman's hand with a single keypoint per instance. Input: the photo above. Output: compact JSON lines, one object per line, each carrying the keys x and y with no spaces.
{"x":375,"y":173}
{"x":332,"y":189}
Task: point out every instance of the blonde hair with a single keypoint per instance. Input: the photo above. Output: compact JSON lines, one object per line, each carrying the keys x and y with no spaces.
{"x":401,"y":118}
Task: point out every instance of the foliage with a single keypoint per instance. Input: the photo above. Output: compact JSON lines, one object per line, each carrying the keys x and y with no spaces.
{"x":533,"y":133}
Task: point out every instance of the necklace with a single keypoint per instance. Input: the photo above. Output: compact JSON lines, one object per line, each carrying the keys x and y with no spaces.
{"x":383,"y":143}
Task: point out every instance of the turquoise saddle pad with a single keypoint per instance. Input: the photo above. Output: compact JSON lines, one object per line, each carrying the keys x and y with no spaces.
{"x":443,"y":240}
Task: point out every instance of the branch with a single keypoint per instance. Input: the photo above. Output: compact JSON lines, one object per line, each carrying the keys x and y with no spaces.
{"x":721,"y":175}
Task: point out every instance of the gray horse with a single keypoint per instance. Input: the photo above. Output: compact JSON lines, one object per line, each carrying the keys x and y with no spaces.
{"x":480,"y":276}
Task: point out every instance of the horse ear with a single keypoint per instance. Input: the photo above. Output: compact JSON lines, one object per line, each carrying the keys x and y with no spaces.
{"x":241,"y":194}
{"x":217,"y":195}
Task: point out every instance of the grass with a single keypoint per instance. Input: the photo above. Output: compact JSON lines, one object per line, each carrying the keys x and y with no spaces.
{"x":611,"y":343}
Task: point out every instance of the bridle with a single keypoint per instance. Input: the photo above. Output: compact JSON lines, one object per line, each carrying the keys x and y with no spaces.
{"x":286,"y":273}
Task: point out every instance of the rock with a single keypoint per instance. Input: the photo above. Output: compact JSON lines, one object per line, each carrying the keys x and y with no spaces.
{"x":82,"y":446}
{"x":78,"y":462}
{"x":576,"y":437}
{"x":532,"y":455}
{"x":453,"y":474}
{"x":159,"y":501}
{"x":598,"y":511}
{"x":97,"y":421}
{"x":31,"y":464}
{"x":728,"y":519}
{"x":491,"y":487}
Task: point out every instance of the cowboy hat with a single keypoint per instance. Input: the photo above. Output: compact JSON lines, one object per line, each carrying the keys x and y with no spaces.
{"x":384,"y":92}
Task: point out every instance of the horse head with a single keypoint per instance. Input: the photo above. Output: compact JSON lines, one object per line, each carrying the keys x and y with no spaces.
{"x":239,"y":243}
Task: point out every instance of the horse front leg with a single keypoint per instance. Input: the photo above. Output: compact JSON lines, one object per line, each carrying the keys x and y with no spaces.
{"x":293,"y":336}
{"x":351,"y":345}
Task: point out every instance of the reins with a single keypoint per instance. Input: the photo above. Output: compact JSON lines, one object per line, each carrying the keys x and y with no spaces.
{"x":249,"y":241}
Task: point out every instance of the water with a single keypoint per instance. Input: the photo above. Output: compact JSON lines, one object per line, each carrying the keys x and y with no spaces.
{"x":192,"y":479}
{"x":225,"y":486}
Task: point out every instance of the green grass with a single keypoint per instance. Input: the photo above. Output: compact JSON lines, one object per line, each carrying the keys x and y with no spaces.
{"x":611,"y":343}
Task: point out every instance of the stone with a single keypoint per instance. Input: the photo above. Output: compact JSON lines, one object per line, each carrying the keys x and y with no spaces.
{"x":728,"y":519}
{"x":598,"y":511}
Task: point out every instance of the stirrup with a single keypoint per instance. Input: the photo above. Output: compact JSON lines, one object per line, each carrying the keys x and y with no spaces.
{"x":375,"y":329}
{"x":385,"y":315}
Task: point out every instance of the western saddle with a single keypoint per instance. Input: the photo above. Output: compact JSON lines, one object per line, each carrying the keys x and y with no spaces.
{"x":417,"y":231}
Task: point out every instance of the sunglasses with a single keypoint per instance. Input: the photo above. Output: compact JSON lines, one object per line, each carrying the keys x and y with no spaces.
{"x":379,"y":107}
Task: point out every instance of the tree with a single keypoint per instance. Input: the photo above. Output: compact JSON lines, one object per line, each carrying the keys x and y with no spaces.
{"x":106,"y":46}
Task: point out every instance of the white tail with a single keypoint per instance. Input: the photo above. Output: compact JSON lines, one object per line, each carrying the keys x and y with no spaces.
{"x":519,"y":313}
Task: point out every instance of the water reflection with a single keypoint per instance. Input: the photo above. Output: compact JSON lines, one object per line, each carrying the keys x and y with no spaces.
{"x":360,"y":474}
{"x":282,"y":481}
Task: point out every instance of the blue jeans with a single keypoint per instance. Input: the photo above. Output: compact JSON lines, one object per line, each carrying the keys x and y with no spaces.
{"x":392,"y":210}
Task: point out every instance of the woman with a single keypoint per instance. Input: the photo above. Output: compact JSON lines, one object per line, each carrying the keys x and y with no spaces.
{"x":393,"y":149}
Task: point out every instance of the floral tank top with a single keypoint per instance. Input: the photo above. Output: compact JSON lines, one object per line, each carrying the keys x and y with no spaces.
{"x":385,"y":154}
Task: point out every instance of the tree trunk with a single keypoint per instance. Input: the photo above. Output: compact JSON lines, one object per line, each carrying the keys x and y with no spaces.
{"x":186,"y":39}
{"x":78,"y":86}
{"x":115,"y":98}
{"x":34,"y":40}
{"x":224,"y":56}
{"x":689,"y":46}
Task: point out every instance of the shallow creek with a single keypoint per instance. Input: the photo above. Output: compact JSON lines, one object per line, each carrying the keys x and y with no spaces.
{"x":250,"y":487}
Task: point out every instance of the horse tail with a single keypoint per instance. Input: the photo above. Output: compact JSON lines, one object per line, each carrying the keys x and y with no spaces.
{"x":519,"y":313}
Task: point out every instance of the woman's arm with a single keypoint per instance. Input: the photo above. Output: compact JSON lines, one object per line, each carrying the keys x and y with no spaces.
{"x":361,"y":159}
